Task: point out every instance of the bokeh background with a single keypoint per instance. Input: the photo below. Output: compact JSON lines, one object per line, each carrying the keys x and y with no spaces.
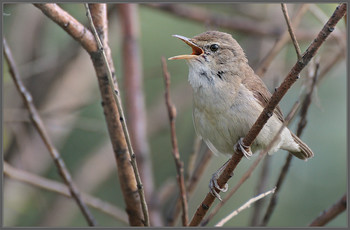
{"x":61,"y":78}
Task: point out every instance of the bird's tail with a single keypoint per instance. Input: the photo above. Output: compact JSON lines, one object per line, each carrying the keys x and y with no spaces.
{"x":305,"y":151}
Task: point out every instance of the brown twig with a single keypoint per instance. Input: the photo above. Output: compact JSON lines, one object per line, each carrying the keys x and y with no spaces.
{"x":135,"y":102}
{"x":98,"y":21}
{"x":244,"y":206}
{"x":249,"y":172}
{"x":39,"y":125}
{"x":62,"y":189}
{"x":179,"y":164}
{"x":331,"y":213}
{"x":291,"y":78}
{"x":301,"y":125}
{"x":290,"y":30}
{"x":282,"y":41}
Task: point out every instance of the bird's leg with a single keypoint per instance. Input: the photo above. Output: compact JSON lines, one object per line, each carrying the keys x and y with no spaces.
{"x":244,"y":149}
{"x":214,"y":179}
{"x":214,"y":182}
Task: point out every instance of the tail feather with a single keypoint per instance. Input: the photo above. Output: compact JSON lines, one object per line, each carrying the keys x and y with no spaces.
{"x":305,"y":152}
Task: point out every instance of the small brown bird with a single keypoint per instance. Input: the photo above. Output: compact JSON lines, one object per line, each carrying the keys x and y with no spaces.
{"x":228,"y":97}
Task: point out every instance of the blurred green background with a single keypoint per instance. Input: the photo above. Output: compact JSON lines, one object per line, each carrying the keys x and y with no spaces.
{"x":62,"y":80}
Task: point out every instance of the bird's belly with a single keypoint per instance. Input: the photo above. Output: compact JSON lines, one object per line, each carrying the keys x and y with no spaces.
{"x":222,"y":130}
{"x":217,"y":130}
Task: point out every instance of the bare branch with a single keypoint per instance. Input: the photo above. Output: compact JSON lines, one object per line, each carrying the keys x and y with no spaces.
{"x":331,"y":213}
{"x":179,"y":164}
{"x":62,"y":189}
{"x":290,"y":30}
{"x":244,"y":206}
{"x":103,"y":64}
{"x":39,"y":125}
{"x":291,"y":78}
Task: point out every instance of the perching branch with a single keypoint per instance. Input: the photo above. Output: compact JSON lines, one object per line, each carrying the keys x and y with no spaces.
{"x":291,"y":78}
{"x":331,"y":213}
{"x":244,"y":206}
{"x":98,"y":22}
{"x":62,"y":189}
{"x":39,"y":125}
{"x":179,"y":164}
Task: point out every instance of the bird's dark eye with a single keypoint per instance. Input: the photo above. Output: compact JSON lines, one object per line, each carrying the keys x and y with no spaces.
{"x":214,"y":47}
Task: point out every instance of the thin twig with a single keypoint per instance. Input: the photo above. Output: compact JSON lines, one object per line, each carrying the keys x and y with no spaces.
{"x":244,"y":206}
{"x":39,"y":125}
{"x":122,"y":117}
{"x":301,"y":125}
{"x":62,"y":189}
{"x":179,"y":164}
{"x":249,"y":172}
{"x":135,"y":102}
{"x":290,"y":79}
{"x":282,"y":41}
{"x":331,"y":213}
{"x":290,"y":30}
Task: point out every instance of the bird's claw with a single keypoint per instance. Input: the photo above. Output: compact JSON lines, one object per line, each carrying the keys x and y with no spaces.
{"x":213,"y":184}
{"x":244,"y":149}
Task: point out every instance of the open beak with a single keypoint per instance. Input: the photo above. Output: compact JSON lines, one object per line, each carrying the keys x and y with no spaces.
{"x":196,"y":50}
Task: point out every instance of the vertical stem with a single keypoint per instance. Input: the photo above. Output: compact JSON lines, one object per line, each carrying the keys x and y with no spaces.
{"x":99,"y":57}
{"x":179,"y":164}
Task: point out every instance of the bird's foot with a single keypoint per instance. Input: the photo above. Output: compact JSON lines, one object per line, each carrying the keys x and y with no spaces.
{"x":213,"y":184}
{"x":244,"y":149}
